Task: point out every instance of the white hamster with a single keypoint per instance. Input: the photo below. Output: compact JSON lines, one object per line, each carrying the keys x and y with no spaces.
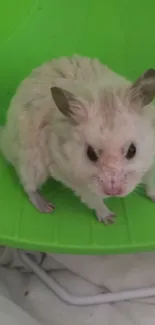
{"x":77,"y":121}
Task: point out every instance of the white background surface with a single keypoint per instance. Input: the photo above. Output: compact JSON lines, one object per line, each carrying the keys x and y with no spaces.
{"x":24,"y":300}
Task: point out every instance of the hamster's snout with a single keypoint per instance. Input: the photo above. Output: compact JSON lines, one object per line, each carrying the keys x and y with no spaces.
{"x":111,"y":187}
{"x":113,"y":191}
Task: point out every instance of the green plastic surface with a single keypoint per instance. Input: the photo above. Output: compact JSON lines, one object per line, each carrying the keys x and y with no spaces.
{"x":121,"y":34}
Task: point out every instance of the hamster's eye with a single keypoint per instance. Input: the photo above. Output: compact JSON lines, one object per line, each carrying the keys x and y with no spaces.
{"x":92,"y":155}
{"x":131,"y":151}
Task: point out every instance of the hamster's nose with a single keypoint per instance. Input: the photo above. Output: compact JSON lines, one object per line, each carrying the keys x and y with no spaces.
{"x":113,"y":191}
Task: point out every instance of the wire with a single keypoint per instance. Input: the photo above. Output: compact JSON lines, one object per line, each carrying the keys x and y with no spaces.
{"x":86,"y":300}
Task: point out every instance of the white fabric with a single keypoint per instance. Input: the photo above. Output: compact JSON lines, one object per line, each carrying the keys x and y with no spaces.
{"x":24,"y":300}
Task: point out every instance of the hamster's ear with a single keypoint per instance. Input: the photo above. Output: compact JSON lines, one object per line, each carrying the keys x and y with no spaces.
{"x":143,"y":89}
{"x":69,"y":105}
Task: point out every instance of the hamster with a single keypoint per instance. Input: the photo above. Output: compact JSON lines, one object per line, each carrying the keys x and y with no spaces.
{"x":77,"y":121}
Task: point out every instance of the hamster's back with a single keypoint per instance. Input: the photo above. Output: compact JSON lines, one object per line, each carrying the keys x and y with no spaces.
{"x":32,"y":103}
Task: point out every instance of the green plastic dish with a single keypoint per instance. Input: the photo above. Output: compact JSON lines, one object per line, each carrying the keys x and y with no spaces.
{"x":121,"y":34}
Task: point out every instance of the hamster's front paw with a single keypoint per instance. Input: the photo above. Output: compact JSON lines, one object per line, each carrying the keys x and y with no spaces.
{"x":107,"y":219}
{"x":97,"y":204}
{"x":40,"y":202}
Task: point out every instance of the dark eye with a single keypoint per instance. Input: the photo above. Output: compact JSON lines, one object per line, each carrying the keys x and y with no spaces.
{"x":92,"y":155}
{"x":131,"y":151}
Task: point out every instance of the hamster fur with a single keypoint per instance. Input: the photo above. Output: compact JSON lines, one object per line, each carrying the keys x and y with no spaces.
{"x":77,"y":121}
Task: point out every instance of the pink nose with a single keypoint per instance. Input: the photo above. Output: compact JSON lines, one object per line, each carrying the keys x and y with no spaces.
{"x":113,"y":191}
